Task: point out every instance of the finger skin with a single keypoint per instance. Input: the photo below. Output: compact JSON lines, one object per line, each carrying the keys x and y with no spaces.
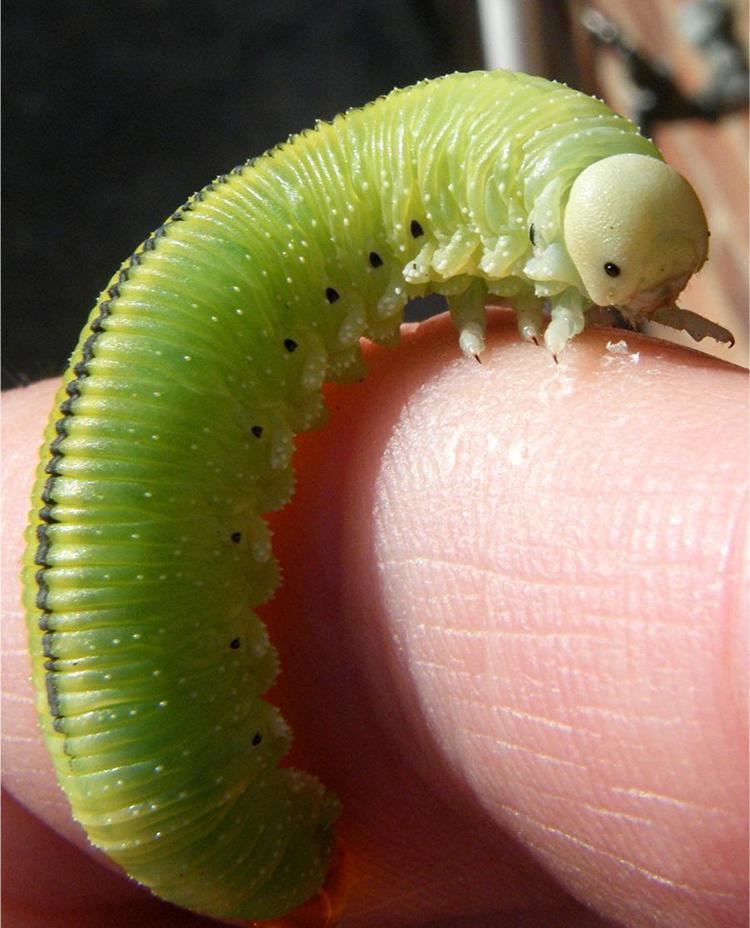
{"x":510,"y":627}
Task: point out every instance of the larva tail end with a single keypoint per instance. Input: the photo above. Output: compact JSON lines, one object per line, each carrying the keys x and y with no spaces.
{"x":325,"y":908}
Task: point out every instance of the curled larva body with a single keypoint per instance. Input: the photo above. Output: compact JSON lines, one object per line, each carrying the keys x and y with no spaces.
{"x":211,"y":343}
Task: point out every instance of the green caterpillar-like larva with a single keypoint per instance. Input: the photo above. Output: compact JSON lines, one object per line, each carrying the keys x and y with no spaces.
{"x":173,"y":435}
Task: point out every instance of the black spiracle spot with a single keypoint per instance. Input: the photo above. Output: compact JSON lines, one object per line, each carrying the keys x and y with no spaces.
{"x":236,"y":537}
{"x":416,"y":229}
{"x":257,"y":738}
{"x":375,"y":259}
{"x":257,"y":430}
{"x":332,"y":295}
{"x":234,"y":643}
{"x":290,"y":345}
{"x":52,"y":697}
{"x":532,"y":234}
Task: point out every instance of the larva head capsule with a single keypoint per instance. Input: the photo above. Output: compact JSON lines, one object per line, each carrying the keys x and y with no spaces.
{"x":635,"y":231}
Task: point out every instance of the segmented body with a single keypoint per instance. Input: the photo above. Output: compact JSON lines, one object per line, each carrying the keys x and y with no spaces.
{"x":173,"y":435}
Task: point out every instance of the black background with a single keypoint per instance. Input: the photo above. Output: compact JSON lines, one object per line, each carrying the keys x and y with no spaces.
{"x":114,"y":112}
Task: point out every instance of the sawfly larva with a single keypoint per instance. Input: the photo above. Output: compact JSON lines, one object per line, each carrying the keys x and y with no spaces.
{"x":214,"y":338}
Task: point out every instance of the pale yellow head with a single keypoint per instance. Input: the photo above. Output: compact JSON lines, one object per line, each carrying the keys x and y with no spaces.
{"x":635,"y":231}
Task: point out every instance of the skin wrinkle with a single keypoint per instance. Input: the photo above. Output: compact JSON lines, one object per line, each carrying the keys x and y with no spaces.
{"x":672,"y":800}
{"x":500,"y":742}
{"x":653,"y":566}
{"x":10,"y":696}
{"x":618,"y":814}
{"x":478,"y":570}
{"x":689,"y":909}
{"x":649,"y":627}
{"x":651,"y":875}
{"x":554,"y":724}
{"x":630,"y":827}
{"x":575,"y":802}
{"x":466,"y":699}
{"x":16,"y":739}
{"x":598,"y":810}
{"x":736,"y":638}
{"x":43,"y":802}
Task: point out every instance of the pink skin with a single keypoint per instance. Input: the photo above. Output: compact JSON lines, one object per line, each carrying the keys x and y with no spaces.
{"x":513,"y":637}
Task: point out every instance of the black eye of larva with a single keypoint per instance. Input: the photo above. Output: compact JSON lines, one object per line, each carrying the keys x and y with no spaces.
{"x":532,"y":235}
{"x":375,"y":259}
{"x":416,"y":229}
{"x":611,"y":269}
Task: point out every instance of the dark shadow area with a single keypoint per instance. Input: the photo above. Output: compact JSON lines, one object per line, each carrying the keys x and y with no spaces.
{"x":422,"y":307}
{"x":115,"y":113}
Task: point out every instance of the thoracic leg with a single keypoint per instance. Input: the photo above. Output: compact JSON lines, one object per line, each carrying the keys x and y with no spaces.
{"x":470,"y":317}
{"x":530,"y":318}
{"x":696,"y":326}
{"x":567,"y":321}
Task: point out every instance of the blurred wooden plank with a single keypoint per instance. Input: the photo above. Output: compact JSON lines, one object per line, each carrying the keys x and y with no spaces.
{"x":713,"y":156}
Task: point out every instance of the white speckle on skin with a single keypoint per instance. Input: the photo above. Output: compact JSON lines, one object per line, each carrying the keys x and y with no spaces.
{"x":620,"y":347}
{"x":518,"y":453}
{"x":619,"y":352}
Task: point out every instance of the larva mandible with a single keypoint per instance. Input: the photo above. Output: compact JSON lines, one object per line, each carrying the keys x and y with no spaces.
{"x":214,"y":338}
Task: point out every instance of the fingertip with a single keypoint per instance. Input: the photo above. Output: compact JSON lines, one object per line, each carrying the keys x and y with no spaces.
{"x":553,"y":548}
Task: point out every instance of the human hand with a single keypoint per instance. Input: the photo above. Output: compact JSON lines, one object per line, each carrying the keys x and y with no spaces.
{"x":512,"y":636}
